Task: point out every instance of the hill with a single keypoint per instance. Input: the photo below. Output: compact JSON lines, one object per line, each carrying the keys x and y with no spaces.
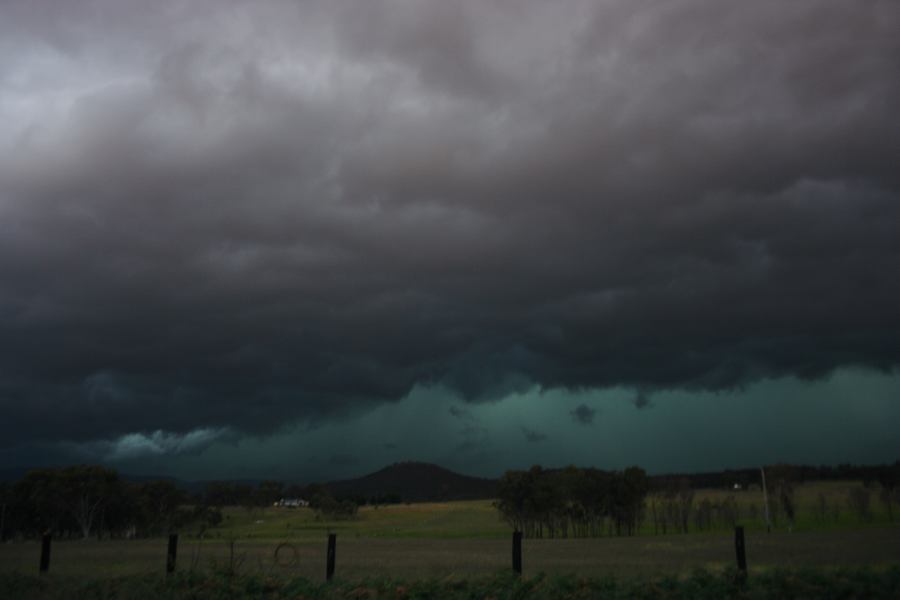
{"x":416,"y":482}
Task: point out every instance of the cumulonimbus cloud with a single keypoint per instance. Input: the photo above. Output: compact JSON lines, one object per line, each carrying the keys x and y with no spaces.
{"x":243,"y":216}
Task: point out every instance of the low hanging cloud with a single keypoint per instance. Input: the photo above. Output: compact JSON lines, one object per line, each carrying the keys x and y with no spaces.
{"x":642,"y":399}
{"x":235,"y":216}
{"x":157,"y":443}
{"x":583,"y":414}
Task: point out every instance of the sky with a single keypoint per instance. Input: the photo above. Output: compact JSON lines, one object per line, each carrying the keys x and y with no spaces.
{"x":304,"y":239}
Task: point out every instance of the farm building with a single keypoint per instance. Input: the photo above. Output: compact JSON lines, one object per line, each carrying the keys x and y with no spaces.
{"x":292,"y":503}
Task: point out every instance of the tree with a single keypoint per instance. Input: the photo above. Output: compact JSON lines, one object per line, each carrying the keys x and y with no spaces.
{"x":782,"y":477}
{"x":858,"y":498}
{"x":219,"y":493}
{"x":572,"y":501}
{"x":820,"y":509}
{"x":158,"y":503}
{"x":87,"y":488}
{"x":39,"y":498}
{"x":889,"y":480}
{"x":269,"y":492}
{"x":336,"y":510}
{"x":684,"y":501}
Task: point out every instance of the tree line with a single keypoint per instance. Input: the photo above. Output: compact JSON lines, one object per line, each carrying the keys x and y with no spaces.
{"x":869,"y":474}
{"x":91,"y":501}
{"x":573,"y":502}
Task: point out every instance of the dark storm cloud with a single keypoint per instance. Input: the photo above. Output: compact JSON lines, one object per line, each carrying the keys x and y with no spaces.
{"x":233,"y":216}
{"x":583,"y":414}
{"x":532,"y":436}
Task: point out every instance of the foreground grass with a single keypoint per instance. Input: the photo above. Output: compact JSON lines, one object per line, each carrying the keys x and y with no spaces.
{"x":807,"y":583}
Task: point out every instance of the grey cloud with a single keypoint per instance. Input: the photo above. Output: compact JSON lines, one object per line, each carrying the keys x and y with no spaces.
{"x":240,"y":219}
{"x":583,"y":414}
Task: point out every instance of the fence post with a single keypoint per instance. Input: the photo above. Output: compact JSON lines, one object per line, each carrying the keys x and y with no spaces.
{"x":329,"y":566}
{"x":171,"y":553}
{"x":517,"y":552}
{"x":45,"y":553}
{"x":740,"y":551}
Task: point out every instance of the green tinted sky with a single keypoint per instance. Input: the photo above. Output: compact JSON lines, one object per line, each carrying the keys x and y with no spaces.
{"x":852,"y":416}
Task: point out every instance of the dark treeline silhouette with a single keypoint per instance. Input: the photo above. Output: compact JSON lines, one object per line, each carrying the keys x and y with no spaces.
{"x":573,"y":502}
{"x":86,"y":501}
{"x":868,"y":474}
{"x":671,"y":507}
{"x":92,"y":501}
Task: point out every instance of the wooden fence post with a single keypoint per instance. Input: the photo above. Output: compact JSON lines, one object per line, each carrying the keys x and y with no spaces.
{"x":45,"y":553}
{"x":740,"y":551}
{"x":329,"y":566}
{"x":171,"y":553}
{"x":517,"y":552}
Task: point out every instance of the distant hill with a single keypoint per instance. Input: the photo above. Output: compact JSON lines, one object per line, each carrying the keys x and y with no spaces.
{"x":417,"y":482}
